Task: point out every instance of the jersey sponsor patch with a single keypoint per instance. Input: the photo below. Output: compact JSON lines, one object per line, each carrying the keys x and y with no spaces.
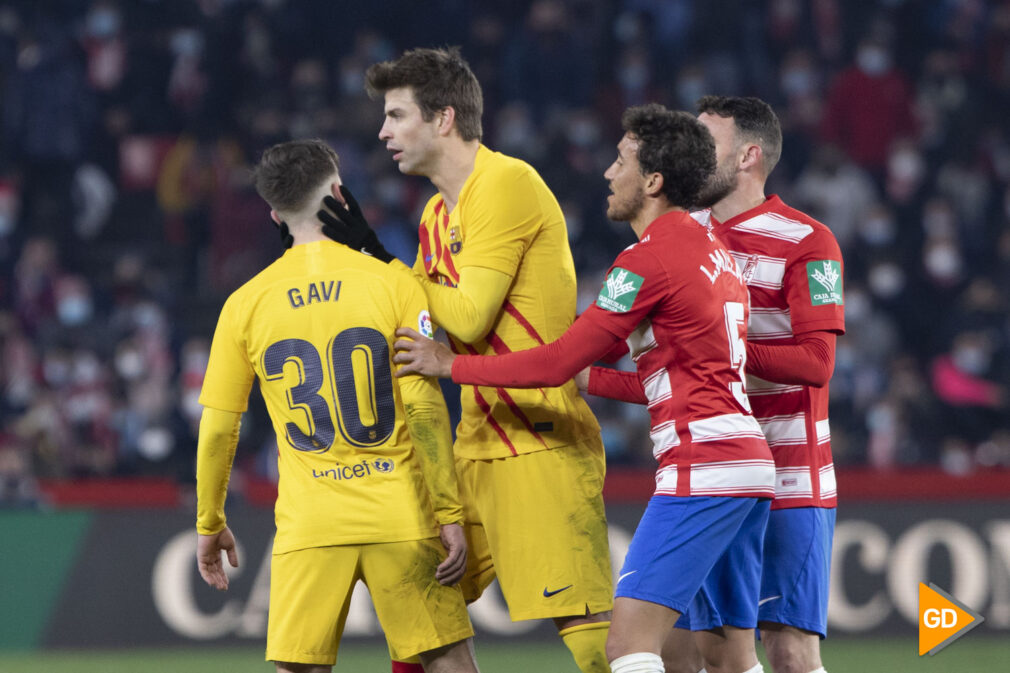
{"x":424,"y":324}
{"x":619,"y":290}
{"x":825,"y":281}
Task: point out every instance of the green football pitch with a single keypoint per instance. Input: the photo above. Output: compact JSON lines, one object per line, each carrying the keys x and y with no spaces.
{"x":971,"y":655}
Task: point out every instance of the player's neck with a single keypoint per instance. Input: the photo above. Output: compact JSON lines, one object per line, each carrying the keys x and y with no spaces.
{"x":453,"y":168}
{"x":651,"y":210}
{"x":748,"y":194}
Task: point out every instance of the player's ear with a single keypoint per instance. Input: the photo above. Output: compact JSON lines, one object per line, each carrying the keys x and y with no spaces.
{"x":335,"y":191}
{"x":275,"y":217}
{"x":446,"y":120}
{"x":751,"y":156}
{"x":654,"y":184}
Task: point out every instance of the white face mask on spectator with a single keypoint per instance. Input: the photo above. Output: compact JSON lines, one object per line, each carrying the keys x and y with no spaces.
{"x":873,"y":60}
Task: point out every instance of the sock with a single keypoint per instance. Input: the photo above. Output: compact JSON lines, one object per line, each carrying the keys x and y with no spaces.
{"x":408,"y":666}
{"x":757,"y":669}
{"x":588,"y":645}
{"x":638,"y":662}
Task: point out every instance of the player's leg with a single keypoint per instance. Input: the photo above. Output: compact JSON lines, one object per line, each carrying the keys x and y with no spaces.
{"x":454,"y":658}
{"x":546,"y":526}
{"x":793,"y":608}
{"x":728,"y":650}
{"x":310,"y":593}
{"x":724,"y":613}
{"x":677,"y":543}
{"x":418,"y":615}
{"x":680,"y":653}
{"x":479,"y":565}
{"x":791,"y":650}
{"x":637,"y":633}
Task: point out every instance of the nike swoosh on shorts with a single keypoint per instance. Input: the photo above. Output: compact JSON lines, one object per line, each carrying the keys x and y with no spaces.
{"x":548,"y":594}
{"x":766,"y":600}
{"x":625,"y":575}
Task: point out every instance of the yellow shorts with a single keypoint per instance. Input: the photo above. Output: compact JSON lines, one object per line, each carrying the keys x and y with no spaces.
{"x":536,"y":521}
{"x":310,"y":591}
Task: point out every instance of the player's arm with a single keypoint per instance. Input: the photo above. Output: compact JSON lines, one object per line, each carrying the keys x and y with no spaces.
{"x":593,"y":334}
{"x":468,"y":310}
{"x":224,"y":396}
{"x":616,"y":385}
{"x":814,"y":293}
{"x":809,"y":362}
{"x":215,"y":452}
{"x":503,"y":213}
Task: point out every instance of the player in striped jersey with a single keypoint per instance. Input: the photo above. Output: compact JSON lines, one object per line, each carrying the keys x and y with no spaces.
{"x":495,"y":265}
{"x":677,"y":299}
{"x":793,"y":269}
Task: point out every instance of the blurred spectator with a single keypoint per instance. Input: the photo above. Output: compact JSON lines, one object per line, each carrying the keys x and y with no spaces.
{"x":869,"y":106}
{"x":126,"y":214}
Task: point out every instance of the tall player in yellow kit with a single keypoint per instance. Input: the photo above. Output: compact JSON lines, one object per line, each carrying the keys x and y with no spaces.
{"x":498,"y":274}
{"x":367,"y":487}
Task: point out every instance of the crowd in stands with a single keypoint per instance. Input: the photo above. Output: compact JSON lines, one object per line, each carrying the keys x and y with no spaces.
{"x":127,"y":213}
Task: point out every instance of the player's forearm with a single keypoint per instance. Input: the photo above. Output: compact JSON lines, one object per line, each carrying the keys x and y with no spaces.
{"x":428,"y":424}
{"x":468,"y":310}
{"x":616,"y":385}
{"x":809,"y":362}
{"x":547,"y":366}
{"x":215,"y":452}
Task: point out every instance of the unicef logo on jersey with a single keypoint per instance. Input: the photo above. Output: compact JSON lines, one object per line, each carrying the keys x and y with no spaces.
{"x":383,"y":465}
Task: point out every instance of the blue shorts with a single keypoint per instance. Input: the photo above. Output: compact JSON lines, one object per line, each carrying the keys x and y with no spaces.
{"x":797,"y":567}
{"x":698,"y":554}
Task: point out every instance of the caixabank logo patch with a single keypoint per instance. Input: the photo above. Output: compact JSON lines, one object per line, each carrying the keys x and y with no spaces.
{"x":942,"y":619}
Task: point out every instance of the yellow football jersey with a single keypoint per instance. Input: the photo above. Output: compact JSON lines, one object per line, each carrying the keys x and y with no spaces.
{"x":316,"y":327}
{"x":508,"y":220}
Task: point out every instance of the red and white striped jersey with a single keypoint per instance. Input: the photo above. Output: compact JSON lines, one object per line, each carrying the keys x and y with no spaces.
{"x":678,"y":299}
{"x":793,"y":268}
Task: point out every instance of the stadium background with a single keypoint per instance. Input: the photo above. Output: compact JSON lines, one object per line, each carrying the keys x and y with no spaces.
{"x":126,"y":217}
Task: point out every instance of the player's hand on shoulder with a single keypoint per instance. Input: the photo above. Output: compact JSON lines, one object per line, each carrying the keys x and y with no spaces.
{"x":451,"y":570}
{"x":420,"y":355}
{"x":346,"y":224}
{"x":208,"y":557}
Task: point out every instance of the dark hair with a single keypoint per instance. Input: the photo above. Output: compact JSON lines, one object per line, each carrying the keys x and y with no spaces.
{"x":675,"y":145}
{"x":754,"y":119}
{"x":439,"y":78}
{"x":289,"y":173}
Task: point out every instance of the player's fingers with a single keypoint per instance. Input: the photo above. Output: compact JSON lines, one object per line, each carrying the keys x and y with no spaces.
{"x":232,"y":557}
{"x":352,"y":203}
{"x":404,"y":345}
{"x":411,"y":333}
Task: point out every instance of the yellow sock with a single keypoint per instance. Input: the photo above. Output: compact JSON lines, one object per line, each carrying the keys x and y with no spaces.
{"x":588,"y":645}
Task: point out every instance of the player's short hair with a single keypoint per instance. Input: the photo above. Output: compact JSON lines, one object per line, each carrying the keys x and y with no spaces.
{"x":675,"y":145}
{"x":439,"y":78}
{"x":755,"y":121}
{"x":289,"y":174}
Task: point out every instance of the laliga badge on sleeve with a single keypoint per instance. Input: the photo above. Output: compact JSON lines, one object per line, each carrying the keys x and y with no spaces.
{"x":942,"y":619}
{"x":424,"y":324}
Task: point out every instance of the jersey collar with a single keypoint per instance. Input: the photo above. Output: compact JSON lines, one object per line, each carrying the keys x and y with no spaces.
{"x":773,"y":202}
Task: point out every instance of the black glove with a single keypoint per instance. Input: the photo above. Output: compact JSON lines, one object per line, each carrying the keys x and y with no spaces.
{"x":286,"y":238}
{"x":349,"y":227}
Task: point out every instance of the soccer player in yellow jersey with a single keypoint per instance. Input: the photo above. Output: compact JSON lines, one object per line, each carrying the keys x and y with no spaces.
{"x":498,"y":274}
{"x":367,"y":487}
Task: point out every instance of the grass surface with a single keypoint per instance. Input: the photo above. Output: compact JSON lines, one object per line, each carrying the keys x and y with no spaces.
{"x":971,"y":655}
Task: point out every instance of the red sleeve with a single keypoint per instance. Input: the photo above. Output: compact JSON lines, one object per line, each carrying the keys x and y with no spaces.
{"x":547,"y":366}
{"x":813,"y":285}
{"x":616,"y":385}
{"x":809,"y":362}
{"x":619,"y":350}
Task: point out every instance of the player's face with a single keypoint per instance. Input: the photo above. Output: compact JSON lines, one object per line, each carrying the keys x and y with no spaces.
{"x":725,"y":178}
{"x":626,"y":182}
{"x":406,"y":134}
